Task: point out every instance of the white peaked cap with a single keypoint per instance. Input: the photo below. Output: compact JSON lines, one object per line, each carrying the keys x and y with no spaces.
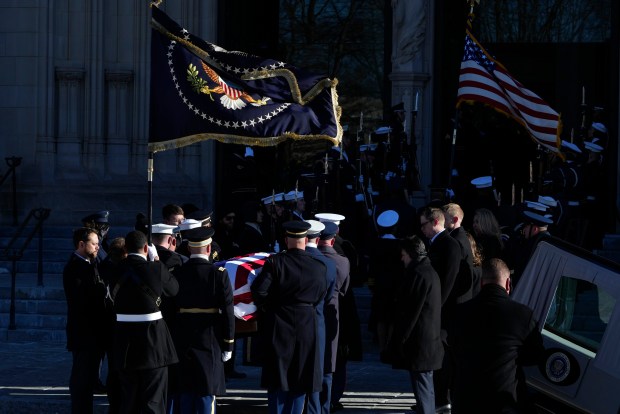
{"x":388,"y":218}
{"x":316,"y":227}
{"x":334,"y":218}
{"x":161,"y":228}
{"x":188,"y":224}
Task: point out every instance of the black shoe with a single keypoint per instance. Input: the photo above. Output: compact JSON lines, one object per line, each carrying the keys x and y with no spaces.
{"x":236,"y":375}
{"x":337,"y":406}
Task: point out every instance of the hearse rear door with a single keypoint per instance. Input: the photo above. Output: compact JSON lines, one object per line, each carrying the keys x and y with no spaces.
{"x":574,"y":294}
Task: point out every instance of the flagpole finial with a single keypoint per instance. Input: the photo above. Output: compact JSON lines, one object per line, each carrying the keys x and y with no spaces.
{"x":470,"y":17}
{"x":156,"y":3}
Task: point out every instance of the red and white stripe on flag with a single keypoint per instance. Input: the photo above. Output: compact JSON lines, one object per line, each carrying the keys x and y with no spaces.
{"x":242,"y":271}
{"x":483,"y":79}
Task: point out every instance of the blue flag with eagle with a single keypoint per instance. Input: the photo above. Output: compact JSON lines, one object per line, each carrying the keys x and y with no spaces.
{"x":201,"y":91}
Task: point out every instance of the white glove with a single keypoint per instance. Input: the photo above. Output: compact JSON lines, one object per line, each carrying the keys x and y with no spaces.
{"x":226,"y":355}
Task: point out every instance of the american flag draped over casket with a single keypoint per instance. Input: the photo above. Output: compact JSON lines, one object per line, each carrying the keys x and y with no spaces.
{"x":242,"y":271}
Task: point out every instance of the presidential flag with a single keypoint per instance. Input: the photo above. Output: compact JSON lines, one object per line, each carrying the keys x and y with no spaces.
{"x":201,"y":91}
{"x":483,"y":79}
{"x":242,"y":271}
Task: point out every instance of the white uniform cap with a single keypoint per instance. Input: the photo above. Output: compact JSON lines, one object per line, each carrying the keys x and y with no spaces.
{"x":293,"y":195}
{"x":483,"y":182}
{"x":383,"y":130}
{"x":592,"y":147}
{"x":368,"y":147}
{"x":316,"y":227}
{"x":334,"y":218}
{"x":548,"y":201}
{"x":537,"y":219}
{"x":161,"y":228}
{"x":571,"y":146}
{"x":274,"y":198}
{"x":388,"y":218}
{"x":188,"y":224}
{"x":536,"y":205}
{"x":599,"y":127}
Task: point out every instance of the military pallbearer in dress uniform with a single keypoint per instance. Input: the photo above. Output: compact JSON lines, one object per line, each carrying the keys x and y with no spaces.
{"x":287,"y":291}
{"x":205,"y":326}
{"x":143,"y":347}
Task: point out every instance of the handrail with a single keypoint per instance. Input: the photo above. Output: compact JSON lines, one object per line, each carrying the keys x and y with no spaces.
{"x":13,"y":163}
{"x":14,"y":254}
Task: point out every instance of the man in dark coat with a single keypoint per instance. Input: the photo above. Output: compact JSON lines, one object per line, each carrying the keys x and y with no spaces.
{"x":87,"y":335}
{"x":320,"y":401}
{"x":445,"y":255}
{"x":143,"y":347}
{"x":416,"y":341}
{"x":332,"y":309}
{"x":493,"y":337}
{"x":286,"y":292}
{"x":465,"y":286}
{"x":205,"y":326}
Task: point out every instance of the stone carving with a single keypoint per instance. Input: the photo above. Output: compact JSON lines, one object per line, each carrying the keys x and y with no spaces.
{"x":409,"y":31}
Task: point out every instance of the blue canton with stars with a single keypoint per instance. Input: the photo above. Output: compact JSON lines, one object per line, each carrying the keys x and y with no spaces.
{"x":475,"y":53}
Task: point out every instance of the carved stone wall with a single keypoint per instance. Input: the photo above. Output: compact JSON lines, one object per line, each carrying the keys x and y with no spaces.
{"x":412,"y":67}
{"x":82,"y":68}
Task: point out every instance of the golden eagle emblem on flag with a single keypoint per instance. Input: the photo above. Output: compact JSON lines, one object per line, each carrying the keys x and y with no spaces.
{"x":232,"y":98}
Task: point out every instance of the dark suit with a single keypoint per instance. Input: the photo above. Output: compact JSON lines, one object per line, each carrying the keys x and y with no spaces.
{"x":464,"y":285}
{"x":142,"y":350}
{"x":492,"y":337}
{"x":204,"y":328}
{"x":445,"y":255}
{"x":286,"y":292}
{"x":87,"y":329}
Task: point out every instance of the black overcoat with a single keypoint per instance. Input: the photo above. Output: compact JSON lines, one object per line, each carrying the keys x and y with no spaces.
{"x":492,"y":337}
{"x":290,"y":286}
{"x":416,"y":340}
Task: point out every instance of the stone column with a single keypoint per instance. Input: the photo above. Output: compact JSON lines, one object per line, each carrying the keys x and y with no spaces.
{"x":412,"y":65}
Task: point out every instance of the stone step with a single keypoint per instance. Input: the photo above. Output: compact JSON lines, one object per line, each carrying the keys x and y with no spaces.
{"x":35,"y":306}
{"x":36,"y":321}
{"x":32,"y":335}
{"x":49,"y":267}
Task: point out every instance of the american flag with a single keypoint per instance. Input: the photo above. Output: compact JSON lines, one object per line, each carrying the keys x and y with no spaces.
{"x":483,"y":79}
{"x":242,"y":271}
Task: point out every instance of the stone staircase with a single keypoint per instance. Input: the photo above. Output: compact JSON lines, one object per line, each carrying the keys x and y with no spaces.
{"x":40,"y":306}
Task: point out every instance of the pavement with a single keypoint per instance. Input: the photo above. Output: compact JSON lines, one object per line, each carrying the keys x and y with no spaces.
{"x":34,"y":378}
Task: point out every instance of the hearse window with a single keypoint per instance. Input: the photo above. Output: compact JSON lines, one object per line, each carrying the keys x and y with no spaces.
{"x":580,"y":312}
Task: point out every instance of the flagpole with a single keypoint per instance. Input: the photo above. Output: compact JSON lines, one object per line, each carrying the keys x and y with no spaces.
{"x":453,"y":147}
{"x":470,"y":18}
{"x":149,"y":210}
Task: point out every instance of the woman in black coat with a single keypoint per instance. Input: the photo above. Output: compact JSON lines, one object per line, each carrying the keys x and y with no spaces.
{"x":416,"y":341}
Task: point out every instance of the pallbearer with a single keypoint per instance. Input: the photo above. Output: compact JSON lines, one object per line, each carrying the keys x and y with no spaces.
{"x":205,"y":325}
